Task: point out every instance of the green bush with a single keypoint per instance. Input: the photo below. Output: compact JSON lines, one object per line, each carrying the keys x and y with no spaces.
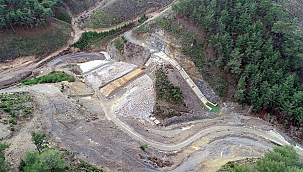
{"x":4,"y":166}
{"x":142,"y":19}
{"x":12,"y":121}
{"x":48,"y":160}
{"x":165,"y":89}
{"x":94,"y":38}
{"x":52,"y":77}
{"x":39,"y":139}
{"x":119,"y":45}
{"x":143,"y":147}
{"x":283,"y":159}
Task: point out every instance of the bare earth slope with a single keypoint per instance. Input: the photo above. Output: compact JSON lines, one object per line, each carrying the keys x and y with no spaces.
{"x":108,"y":131}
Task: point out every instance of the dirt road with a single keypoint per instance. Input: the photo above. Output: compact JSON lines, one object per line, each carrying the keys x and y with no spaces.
{"x":90,"y":140}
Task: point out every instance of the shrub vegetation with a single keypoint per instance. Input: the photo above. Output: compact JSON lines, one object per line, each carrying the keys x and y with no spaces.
{"x":166,"y":90}
{"x":48,"y":160}
{"x":4,"y":166}
{"x":142,"y":19}
{"x":52,"y":77}
{"x":64,"y":16}
{"x":94,"y":38}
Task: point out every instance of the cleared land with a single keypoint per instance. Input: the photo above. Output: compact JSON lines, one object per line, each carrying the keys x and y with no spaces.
{"x":113,"y":86}
{"x":43,"y":40}
{"x":110,"y":132}
{"x":118,"y":11}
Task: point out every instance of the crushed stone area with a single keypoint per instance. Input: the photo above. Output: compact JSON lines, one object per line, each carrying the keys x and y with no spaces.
{"x":77,"y":89}
{"x":4,"y":131}
{"x":220,"y":151}
{"x":132,"y":53}
{"x":75,"y":58}
{"x":90,"y":65}
{"x":89,"y":140}
{"x":207,"y":91}
{"x":93,"y":104}
{"x":115,"y":85}
{"x":137,"y":100}
{"x":21,"y":142}
{"x":97,"y":141}
{"x":108,"y":72}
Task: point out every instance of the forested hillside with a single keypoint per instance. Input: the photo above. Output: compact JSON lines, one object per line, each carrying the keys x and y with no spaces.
{"x":25,"y":13}
{"x":118,"y":11}
{"x":259,"y":43}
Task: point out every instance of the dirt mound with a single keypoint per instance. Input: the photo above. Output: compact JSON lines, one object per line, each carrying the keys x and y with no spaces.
{"x":9,"y":80}
{"x":113,"y":86}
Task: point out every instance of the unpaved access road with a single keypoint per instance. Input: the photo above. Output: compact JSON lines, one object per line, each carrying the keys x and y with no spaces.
{"x":271,"y":135}
{"x":93,"y":144}
{"x":54,"y":104}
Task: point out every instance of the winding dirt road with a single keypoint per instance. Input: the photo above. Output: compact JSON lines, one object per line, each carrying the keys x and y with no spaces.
{"x":272,"y":136}
{"x":211,"y":132}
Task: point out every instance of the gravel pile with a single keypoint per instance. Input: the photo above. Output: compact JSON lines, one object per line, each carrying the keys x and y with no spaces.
{"x":207,"y":91}
{"x":13,"y":79}
{"x":108,"y":72}
{"x":138,"y":101}
{"x":4,"y":131}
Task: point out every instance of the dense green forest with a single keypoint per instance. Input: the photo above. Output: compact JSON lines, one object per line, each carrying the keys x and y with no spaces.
{"x":261,"y":45}
{"x":27,"y":13}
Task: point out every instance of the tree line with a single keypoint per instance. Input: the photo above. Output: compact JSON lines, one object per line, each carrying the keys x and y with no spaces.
{"x":90,"y":38}
{"x":25,"y":13}
{"x":261,"y":45}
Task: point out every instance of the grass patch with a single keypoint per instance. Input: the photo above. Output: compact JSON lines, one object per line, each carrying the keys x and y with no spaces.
{"x":94,"y":38}
{"x":44,"y":39}
{"x":214,"y":108}
{"x":15,"y":107}
{"x":52,"y":77}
